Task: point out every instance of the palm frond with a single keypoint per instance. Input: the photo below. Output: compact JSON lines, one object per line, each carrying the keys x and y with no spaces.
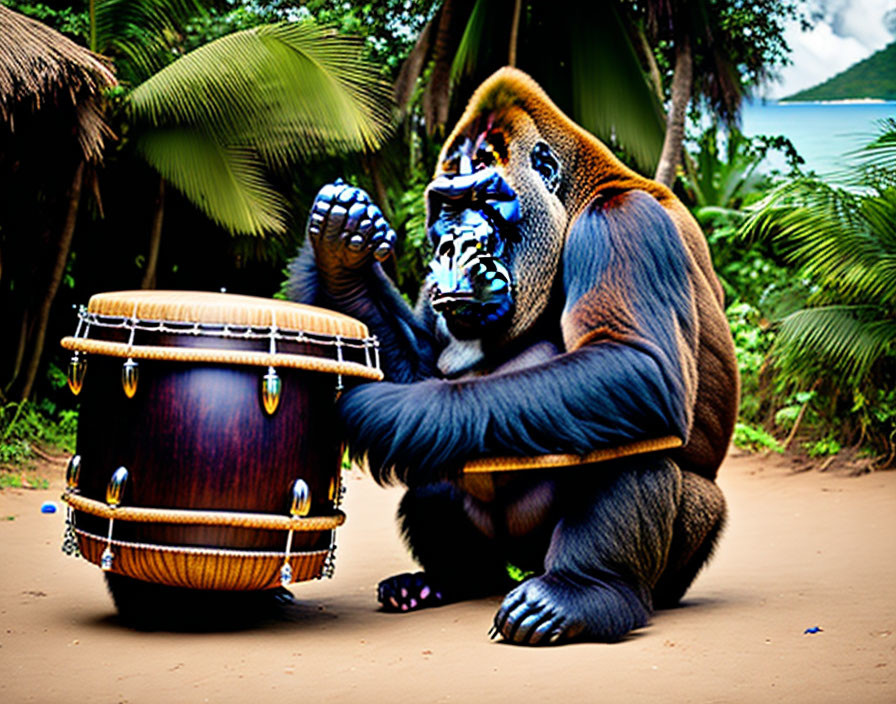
{"x":287,"y":90}
{"x":846,"y":241}
{"x":882,"y":151}
{"x":611,"y":94}
{"x":143,"y":33}
{"x":468,"y":51}
{"x":227,"y":183}
{"x":841,"y":339}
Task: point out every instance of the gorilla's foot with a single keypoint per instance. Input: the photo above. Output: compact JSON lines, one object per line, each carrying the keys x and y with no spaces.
{"x":409,"y":591}
{"x":552,"y":609}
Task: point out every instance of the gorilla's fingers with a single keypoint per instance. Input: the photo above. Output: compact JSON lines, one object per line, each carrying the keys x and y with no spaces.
{"x":549,"y":630}
{"x":317,"y":220}
{"x":524,"y":617}
{"x":384,"y":248}
{"x":334,"y":224}
{"x":328,"y":193}
{"x":356,"y":211}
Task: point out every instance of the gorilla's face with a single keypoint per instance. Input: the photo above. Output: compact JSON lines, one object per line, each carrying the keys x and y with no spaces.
{"x":496,"y":225}
{"x":473,"y":214}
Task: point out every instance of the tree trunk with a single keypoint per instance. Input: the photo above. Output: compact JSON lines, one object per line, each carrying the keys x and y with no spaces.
{"x":155,"y":239}
{"x":20,"y":352}
{"x":682,"y":81}
{"x":648,"y":60}
{"x":514,"y":32}
{"x":64,"y":245}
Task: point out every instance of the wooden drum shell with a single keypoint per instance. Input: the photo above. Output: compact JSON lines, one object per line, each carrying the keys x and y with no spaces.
{"x":195,"y":436}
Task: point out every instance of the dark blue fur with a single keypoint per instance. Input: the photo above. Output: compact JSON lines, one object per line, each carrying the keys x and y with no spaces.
{"x":604,"y":393}
{"x":406,"y":344}
{"x":624,"y":304}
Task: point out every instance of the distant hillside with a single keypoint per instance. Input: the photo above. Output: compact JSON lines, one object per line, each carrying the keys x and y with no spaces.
{"x":875,"y":77}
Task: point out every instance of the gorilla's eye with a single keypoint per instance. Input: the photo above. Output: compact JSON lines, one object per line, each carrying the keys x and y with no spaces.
{"x":486,"y":155}
{"x":547,"y":165}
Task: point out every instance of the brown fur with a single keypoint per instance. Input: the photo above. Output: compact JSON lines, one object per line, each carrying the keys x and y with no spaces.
{"x":512,"y":103}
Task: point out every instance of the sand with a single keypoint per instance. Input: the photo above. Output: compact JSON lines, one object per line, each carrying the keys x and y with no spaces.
{"x":801,"y":550}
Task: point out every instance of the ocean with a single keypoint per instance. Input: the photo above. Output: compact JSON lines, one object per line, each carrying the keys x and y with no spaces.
{"x":823,"y":133}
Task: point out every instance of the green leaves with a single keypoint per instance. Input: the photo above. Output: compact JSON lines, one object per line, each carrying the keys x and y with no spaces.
{"x":610,"y":92}
{"x":581,"y":54}
{"x":844,"y":339}
{"x":263,"y":97}
{"x":141,"y":33}
{"x":228,"y":183}
{"x":844,"y":241}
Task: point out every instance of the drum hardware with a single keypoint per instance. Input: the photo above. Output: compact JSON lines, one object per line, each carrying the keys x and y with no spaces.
{"x":271,"y":387}
{"x":77,"y":365}
{"x":299,"y":508}
{"x":114,"y":491}
{"x":298,"y":520}
{"x":339,"y":386}
{"x":69,"y":539}
{"x":271,"y":384}
{"x":77,"y":368}
{"x":130,"y":371}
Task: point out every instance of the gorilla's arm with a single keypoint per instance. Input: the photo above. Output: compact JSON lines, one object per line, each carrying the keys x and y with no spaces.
{"x":336,"y":268}
{"x":629,"y":323}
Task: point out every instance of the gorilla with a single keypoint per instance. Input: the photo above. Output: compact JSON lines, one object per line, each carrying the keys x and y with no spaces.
{"x":570,"y":306}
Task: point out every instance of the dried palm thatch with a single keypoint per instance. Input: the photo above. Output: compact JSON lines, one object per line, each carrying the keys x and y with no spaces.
{"x":40,"y":69}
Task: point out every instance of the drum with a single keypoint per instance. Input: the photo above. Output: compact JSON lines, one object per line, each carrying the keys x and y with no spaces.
{"x":208,"y":453}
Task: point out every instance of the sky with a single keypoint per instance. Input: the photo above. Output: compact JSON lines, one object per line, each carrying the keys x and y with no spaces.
{"x":849,"y":31}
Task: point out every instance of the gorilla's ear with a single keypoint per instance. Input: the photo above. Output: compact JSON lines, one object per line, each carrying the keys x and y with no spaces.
{"x":627,"y":275}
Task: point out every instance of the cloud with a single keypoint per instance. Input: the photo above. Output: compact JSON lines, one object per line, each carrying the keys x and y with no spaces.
{"x":858,"y":19}
{"x":845,"y":32}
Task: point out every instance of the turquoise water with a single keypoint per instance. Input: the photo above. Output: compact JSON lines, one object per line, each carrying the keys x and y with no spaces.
{"x":822,"y":133}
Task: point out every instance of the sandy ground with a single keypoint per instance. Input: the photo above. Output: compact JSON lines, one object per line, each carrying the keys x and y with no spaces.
{"x":801,"y":550}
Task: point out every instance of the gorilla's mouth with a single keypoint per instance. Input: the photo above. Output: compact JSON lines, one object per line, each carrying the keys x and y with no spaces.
{"x":471,"y":219}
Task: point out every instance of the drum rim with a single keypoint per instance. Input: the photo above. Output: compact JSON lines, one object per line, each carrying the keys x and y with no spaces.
{"x":123,"y":350}
{"x":224,"y":308}
{"x":199,"y":315}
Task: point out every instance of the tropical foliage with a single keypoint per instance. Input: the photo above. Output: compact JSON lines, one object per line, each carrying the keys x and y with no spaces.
{"x":229,"y":114}
{"x":842,"y":240}
{"x":216,"y":119}
{"x":215,"y":122}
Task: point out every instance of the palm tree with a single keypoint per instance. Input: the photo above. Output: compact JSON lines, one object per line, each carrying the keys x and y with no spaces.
{"x":844,"y":240}
{"x":718,"y":51}
{"x":214,"y":121}
{"x":580,"y":52}
{"x":599,"y":62}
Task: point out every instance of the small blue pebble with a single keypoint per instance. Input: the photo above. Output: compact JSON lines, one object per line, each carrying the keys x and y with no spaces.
{"x":48,"y":507}
{"x":814,"y":629}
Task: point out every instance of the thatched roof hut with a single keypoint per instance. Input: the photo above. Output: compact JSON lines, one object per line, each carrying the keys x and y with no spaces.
{"x":40,"y":68}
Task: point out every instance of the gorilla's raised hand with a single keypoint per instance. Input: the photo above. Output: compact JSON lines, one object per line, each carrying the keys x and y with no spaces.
{"x":338,"y":268}
{"x":347,"y":232}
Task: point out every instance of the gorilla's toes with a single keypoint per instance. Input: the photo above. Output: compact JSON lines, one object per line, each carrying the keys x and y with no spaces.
{"x":547,"y":610}
{"x":536,"y":614}
{"x":408,"y":592}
